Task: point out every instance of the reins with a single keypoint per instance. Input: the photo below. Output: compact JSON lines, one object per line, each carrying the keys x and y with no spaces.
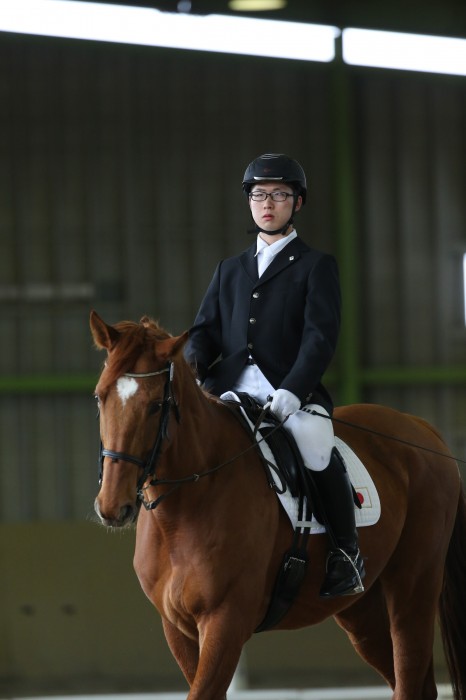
{"x":387,"y":437}
{"x":196,"y":477}
{"x":149,"y":465}
{"x":192,"y":478}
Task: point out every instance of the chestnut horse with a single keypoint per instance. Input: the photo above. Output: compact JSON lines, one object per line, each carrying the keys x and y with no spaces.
{"x":211,"y":538}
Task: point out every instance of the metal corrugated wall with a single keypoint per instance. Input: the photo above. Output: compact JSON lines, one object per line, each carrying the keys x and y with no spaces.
{"x":413,"y":143}
{"x":120,"y":172}
{"x":412,"y":139}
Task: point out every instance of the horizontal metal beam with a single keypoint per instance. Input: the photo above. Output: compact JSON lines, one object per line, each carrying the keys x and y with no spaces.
{"x":382,"y":376}
{"x":48,"y":384}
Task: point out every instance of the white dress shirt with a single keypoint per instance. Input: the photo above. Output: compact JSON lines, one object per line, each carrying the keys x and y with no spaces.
{"x":251,"y":380}
{"x":266,"y":253}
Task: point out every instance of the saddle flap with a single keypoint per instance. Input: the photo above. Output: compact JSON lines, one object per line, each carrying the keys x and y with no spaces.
{"x":287,"y":457}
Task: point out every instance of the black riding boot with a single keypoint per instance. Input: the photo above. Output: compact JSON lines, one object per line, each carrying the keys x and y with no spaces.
{"x":345,"y":566}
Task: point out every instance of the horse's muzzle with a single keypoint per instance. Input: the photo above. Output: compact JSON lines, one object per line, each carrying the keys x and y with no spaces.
{"x":122,"y":516}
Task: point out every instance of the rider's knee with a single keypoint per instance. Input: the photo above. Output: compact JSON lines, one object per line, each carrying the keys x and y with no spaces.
{"x":314,"y":437}
{"x":316,"y":459}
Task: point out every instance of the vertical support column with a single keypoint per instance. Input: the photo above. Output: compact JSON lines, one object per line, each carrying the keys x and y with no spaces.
{"x":347,"y":239}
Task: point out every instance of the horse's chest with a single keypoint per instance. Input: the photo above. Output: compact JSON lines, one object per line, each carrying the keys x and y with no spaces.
{"x":178,"y":602}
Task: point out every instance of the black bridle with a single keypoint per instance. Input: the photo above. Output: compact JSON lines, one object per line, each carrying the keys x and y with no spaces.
{"x":149,"y":464}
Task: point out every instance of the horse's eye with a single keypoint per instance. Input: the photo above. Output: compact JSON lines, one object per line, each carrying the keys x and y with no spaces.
{"x":154,"y":407}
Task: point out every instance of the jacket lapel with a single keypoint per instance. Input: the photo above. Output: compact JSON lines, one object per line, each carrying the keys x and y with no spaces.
{"x":249,"y":262}
{"x":285,"y":257}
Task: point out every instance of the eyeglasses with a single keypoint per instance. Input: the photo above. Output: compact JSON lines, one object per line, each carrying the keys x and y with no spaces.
{"x":261,"y":196}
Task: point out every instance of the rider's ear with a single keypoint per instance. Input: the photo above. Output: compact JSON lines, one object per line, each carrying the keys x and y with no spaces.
{"x":168,"y":348}
{"x":105,"y":337}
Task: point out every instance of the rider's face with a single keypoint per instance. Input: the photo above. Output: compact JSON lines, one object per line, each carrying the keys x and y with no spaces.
{"x":270,"y":215}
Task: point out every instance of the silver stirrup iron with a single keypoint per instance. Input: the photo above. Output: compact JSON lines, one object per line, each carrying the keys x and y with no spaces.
{"x":360,"y":586}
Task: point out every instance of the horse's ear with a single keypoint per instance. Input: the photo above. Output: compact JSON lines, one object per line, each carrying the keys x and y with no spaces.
{"x":168,"y":348}
{"x":104,"y":336}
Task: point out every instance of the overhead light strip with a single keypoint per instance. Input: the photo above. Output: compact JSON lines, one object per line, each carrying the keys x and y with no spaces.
{"x":256,"y":5}
{"x":150,"y":27}
{"x":237,"y":35}
{"x":415,"y":52}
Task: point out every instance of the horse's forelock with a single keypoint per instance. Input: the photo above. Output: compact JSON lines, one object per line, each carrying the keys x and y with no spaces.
{"x":134,"y":339}
{"x":153,"y":328}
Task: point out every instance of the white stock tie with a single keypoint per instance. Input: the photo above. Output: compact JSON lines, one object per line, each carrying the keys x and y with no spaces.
{"x":264,"y":259}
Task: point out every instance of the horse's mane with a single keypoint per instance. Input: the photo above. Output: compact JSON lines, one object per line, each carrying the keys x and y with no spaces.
{"x":135,"y":338}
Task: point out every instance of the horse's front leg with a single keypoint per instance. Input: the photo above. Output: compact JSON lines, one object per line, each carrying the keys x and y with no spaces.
{"x":220,"y":644}
{"x":184,"y":650}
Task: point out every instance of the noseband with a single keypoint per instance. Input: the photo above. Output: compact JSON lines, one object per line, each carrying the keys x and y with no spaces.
{"x":148,"y":465}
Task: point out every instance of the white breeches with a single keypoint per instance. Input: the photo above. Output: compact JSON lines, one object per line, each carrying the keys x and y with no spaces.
{"x":313,"y":434}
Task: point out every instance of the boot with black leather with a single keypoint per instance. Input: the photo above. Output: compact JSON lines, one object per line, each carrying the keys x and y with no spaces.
{"x":345,"y":565}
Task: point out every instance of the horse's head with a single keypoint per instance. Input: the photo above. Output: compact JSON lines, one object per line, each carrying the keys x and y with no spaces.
{"x":136,"y":400}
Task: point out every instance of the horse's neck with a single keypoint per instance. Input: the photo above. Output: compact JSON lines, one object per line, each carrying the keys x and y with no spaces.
{"x":216,"y":430}
{"x":208,"y":436}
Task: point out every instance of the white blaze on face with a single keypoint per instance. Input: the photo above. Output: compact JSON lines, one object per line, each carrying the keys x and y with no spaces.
{"x":126,"y":387}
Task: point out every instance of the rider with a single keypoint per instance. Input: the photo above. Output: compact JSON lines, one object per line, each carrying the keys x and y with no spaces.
{"x":268,"y":326}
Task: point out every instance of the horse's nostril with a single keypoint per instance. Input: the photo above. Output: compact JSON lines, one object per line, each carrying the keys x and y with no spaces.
{"x":116,"y":517}
{"x":128,"y":513}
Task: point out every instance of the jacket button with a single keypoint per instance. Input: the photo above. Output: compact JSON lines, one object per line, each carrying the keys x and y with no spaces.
{"x":252,"y":320}
{"x":256,"y":295}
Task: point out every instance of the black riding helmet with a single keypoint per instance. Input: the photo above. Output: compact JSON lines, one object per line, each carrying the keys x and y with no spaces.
{"x":279,"y":167}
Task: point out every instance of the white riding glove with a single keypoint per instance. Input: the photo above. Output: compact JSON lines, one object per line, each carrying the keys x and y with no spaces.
{"x":284,"y":404}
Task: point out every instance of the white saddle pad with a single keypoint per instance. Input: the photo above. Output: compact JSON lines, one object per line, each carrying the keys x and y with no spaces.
{"x":368,"y":514}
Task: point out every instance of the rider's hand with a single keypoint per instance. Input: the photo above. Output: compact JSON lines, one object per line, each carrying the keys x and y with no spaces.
{"x":284,"y":404}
